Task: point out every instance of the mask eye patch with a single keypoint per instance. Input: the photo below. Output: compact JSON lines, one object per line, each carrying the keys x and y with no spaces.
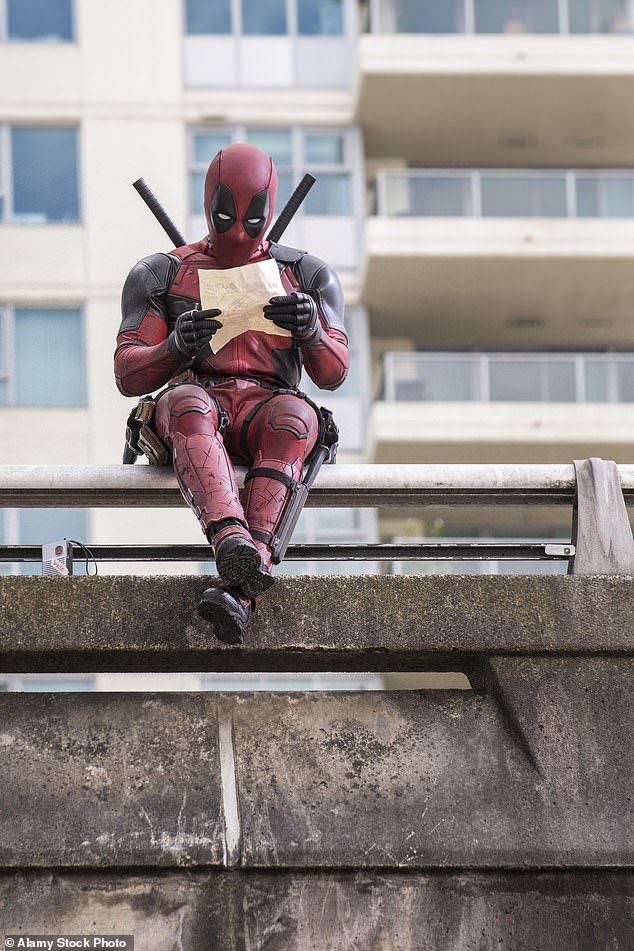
{"x":223,"y":209}
{"x":255,"y":217}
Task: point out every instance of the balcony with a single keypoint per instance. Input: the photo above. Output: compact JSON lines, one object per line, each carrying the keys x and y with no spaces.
{"x":488,"y":259}
{"x":504,"y":407}
{"x":506,"y":83}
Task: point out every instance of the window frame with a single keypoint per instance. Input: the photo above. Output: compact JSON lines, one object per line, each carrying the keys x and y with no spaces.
{"x":8,"y":344}
{"x":4,"y":28}
{"x":6,"y":174}
{"x":292,"y":23}
{"x":298,"y":133}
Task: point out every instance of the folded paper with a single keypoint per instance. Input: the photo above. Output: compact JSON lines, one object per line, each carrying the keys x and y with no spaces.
{"x":241,"y":293}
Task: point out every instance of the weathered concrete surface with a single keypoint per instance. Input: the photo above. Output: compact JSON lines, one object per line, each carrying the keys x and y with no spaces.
{"x":413,"y":779}
{"x":99,"y":779}
{"x":340,"y":911}
{"x":354,"y":623}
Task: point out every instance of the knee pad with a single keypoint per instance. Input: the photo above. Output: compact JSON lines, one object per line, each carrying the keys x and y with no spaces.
{"x":294,"y":415}
{"x":191,"y":399}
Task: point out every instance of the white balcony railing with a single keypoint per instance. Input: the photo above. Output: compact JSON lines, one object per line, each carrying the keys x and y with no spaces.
{"x":505,"y":193}
{"x":503,"y":16}
{"x":510,"y":377}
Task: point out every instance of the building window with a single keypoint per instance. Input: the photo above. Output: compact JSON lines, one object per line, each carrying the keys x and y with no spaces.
{"x":264,"y":19}
{"x":270,"y":43}
{"x":38,"y":174}
{"x":328,"y":223}
{"x":40,"y":20}
{"x":268,"y":18}
{"x":325,"y":154}
{"x":208,"y":16}
{"x":42,"y":357}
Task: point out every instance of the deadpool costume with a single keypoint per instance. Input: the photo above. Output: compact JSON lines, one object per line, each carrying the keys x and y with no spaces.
{"x":243,"y":401}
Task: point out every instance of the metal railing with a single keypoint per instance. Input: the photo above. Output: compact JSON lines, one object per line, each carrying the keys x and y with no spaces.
{"x":509,"y":377}
{"x":510,"y":17}
{"x":505,"y":193}
{"x":598,"y":490}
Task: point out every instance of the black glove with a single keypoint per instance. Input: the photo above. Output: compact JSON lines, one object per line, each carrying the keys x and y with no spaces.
{"x":193,"y":330}
{"x":297,"y":313}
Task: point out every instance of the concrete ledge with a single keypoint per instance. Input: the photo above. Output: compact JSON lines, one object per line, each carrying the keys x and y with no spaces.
{"x":536,"y":777}
{"x":343,"y":623}
{"x":329,"y":911}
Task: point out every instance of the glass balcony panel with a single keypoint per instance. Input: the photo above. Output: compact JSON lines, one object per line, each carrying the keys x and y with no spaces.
{"x":439,"y":380}
{"x":518,"y":381}
{"x":560,"y":382}
{"x":516,"y":197}
{"x":587,"y":190}
{"x":601,"y":16}
{"x":421,"y":16}
{"x":596,"y":381}
{"x":624,"y":373}
{"x":618,"y":197}
{"x":516,"y":16}
{"x":442,"y":197}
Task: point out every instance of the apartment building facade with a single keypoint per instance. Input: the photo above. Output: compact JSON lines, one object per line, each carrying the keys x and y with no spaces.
{"x":475,"y":191}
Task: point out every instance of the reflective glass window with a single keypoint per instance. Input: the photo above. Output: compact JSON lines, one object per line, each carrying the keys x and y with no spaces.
{"x":422,"y":196}
{"x":39,"y":19}
{"x":330,"y":195}
{"x":609,"y":197}
{"x":264,"y":17}
{"x":208,"y":16}
{"x":49,"y":358}
{"x":207,"y":144}
{"x":277,"y":142}
{"x":515,"y":197}
{"x":421,"y":16}
{"x":44,"y":174}
{"x":601,"y":16}
{"x":516,"y":16}
{"x":596,"y":381}
{"x":325,"y":148}
{"x":532,"y":381}
{"x":320,"y":17}
{"x":624,"y":371}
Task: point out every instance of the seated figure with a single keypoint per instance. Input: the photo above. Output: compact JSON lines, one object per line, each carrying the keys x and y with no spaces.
{"x":241,"y":402}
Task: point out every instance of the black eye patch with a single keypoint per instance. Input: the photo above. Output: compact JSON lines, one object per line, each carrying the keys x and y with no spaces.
{"x":223,"y":209}
{"x":257,"y":213}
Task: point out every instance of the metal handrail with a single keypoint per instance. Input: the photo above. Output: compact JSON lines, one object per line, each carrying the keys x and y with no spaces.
{"x":352,"y":485}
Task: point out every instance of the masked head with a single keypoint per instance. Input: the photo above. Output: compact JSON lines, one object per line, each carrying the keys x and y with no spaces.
{"x":240,"y":192}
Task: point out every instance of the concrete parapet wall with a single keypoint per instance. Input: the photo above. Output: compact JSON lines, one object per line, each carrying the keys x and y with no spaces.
{"x":385,"y":820}
{"x":328,"y":911}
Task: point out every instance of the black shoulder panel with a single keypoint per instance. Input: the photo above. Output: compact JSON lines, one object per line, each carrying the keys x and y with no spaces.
{"x":322,"y":283}
{"x":284,"y":254}
{"x":145,"y":287}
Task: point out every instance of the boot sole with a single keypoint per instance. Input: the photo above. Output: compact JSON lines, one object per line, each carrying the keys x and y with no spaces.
{"x":242,"y":569}
{"x":226,"y":627}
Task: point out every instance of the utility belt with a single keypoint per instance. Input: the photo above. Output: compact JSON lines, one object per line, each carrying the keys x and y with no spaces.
{"x":140,"y":438}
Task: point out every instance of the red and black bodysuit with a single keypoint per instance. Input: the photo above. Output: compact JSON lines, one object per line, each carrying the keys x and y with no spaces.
{"x":244,"y":402}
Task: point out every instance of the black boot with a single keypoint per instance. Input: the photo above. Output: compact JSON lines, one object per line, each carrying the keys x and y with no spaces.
{"x":227,"y":612}
{"x":238,"y":561}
